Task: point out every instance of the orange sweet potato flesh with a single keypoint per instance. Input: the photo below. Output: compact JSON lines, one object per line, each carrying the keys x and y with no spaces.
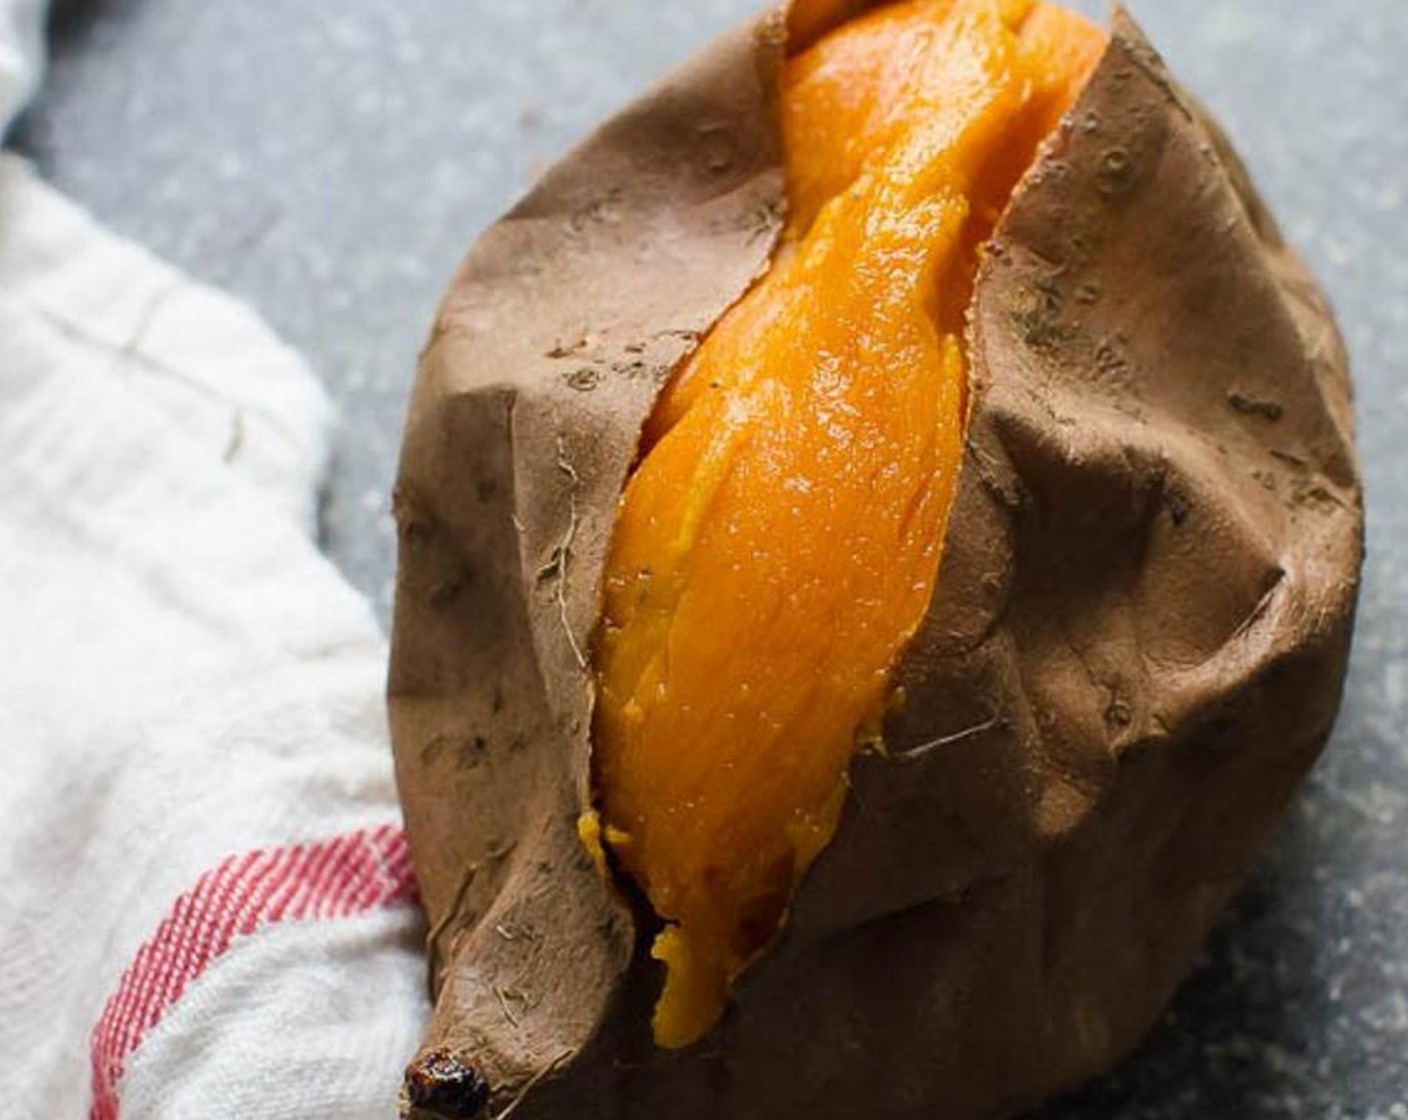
{"x":779,"y":541}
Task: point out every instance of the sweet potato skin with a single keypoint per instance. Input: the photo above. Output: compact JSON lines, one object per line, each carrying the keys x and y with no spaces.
{"x":1135,"y":651}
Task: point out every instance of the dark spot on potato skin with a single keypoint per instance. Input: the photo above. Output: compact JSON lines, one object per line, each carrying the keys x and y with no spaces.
{"x":471,"y":752}
{"x":1118,"y":714}
{"x":1250,"y":406}
{"x":1115,"y":175}
{"x":461,"y":753}
{"x":442,"y":1086}
{"x":584,"y":380}
{"x":1040,"y":316}
{"x":1178,"y":506}
{"x":602,"y":210}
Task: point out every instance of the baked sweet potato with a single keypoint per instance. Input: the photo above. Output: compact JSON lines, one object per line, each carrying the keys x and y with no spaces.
{"x":1095,"y":679}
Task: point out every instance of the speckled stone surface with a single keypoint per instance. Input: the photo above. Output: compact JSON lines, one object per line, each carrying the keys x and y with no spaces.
{"x":331,"y":162}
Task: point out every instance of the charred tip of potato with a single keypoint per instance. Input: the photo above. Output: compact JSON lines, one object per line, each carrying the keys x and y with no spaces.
{"x":441,"y":1086}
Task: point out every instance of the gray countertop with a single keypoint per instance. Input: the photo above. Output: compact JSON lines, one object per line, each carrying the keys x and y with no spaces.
{"x":331,"y":161}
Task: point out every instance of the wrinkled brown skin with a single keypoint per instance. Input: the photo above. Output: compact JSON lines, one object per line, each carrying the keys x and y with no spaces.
{"x":1135,"y":651}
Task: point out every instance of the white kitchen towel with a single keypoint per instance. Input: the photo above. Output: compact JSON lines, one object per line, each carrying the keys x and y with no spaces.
{"x":206,"y":908}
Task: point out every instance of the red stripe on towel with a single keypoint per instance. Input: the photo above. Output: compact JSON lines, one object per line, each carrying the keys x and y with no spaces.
{"x":336,"y":878}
